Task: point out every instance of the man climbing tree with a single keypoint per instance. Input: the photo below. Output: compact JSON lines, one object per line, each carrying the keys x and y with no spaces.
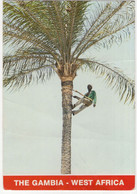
{"x":88,"y":99}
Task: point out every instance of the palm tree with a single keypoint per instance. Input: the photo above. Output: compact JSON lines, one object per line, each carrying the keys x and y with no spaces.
{"x":51,"y":36}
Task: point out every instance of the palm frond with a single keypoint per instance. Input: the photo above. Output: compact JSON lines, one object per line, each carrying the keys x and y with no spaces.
{"x":113,"y":18}
{"x":75,"y":18}
{"x":92,"y":24}
{"x":22,"y":39}
{"x":50,"y":36}
{"x":21,"y":24}
{"x":21,"y":70}
{"x":54,"y":24}
{"x":114,"y":77}
{"x":24,"y":78}
{"x":106,"y":40}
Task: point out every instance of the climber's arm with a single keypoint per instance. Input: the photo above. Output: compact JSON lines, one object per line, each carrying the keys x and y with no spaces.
{"x":95,"y":100}
{"x":76,"y":97}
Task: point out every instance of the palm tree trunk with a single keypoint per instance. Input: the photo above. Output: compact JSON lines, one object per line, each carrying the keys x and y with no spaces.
{"x":67,"y":87}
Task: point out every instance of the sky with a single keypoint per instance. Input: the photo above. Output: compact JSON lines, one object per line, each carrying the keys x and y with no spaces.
{"x":102,"y":137}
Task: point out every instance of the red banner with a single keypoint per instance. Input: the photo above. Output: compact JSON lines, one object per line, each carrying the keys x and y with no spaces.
{"x":69,"y":182}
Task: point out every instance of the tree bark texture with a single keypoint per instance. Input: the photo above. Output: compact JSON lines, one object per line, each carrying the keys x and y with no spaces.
{"x":67,"y":87}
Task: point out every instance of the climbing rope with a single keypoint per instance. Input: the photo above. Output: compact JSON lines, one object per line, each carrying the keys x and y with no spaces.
{"x":83,"y":95}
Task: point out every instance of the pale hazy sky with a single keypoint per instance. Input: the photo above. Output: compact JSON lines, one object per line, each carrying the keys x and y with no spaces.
{"x":102,"y":137}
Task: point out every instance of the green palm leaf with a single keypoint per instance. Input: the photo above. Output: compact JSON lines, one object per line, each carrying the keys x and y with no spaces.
{"x":111,"y":20}
{"x":51,"y":36}
{"x":114,"y":77}
{"x":21,"y":70}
